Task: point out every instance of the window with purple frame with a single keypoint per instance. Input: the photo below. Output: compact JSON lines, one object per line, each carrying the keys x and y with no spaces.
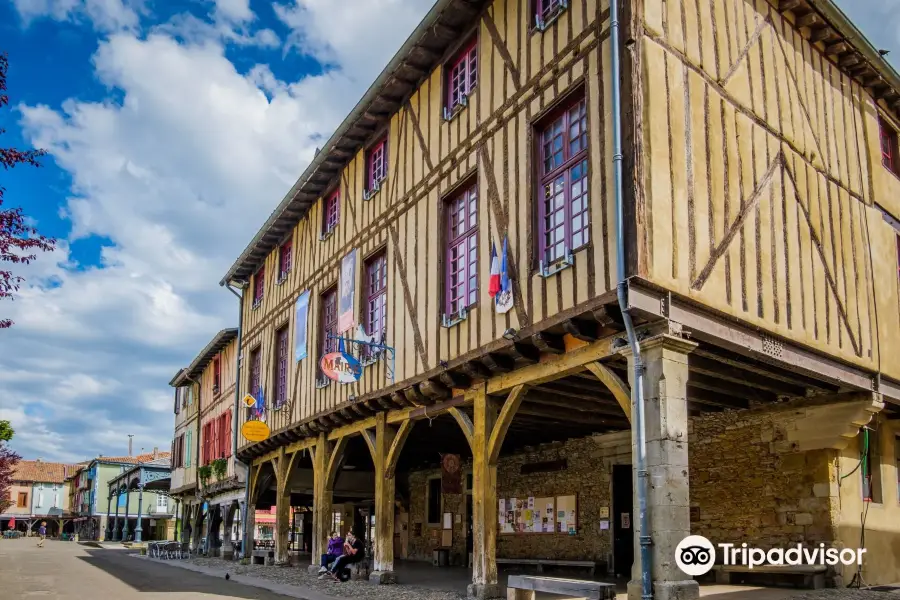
{"x":377,"y":164}
{"x":259,"y":286}
{"x":376,"y":295}
{"x":255,"y":371}
{"x":332,"y":214}
{"x":281,"y":366}
{"x":545,"y":10}
{"x":329,"y":321}
{"x":462,"y":75}
{"x":461,"y":276}
{"x":563,"y":191}
{"x":284,"y":260}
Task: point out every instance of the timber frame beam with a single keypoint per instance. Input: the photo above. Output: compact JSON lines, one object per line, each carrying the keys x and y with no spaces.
{"x":619,"y":388}
{"x":504,"y":419}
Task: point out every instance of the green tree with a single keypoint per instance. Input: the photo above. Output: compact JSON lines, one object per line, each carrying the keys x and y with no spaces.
{"x":8,"y":462}
{"x":6,"y":431}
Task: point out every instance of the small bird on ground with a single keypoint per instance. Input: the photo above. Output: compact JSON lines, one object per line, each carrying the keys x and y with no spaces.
{"x":227,"y":576}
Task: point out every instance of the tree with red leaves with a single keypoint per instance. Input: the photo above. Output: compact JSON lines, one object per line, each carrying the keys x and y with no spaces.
{"x":8,"y":462}
{"x":18,"y":241}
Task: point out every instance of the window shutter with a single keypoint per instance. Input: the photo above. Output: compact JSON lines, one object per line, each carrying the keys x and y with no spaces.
{"x":228,"y":432}
{"x":187,"y":450}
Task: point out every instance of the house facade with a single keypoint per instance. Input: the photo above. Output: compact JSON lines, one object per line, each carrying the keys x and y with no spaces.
{"x":40,"y":493}
{"x":444,"y":306}
{"x":205,"y":474}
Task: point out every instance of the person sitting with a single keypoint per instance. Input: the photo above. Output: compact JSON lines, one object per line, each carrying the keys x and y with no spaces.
{"x":335,"y":551}
{"x":354,"y":552}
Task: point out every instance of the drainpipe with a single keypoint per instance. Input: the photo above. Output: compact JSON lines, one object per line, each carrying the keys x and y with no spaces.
{"x":234,"y":421}
{"x":637,"y":389}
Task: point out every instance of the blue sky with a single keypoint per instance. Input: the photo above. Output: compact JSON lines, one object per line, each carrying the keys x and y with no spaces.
{"x":173,"y":128}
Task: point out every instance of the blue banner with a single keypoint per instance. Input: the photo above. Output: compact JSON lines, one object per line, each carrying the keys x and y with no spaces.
{"x":300,"y":326}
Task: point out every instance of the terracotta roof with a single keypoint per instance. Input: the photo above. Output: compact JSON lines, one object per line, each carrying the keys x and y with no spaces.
{"x":134,"y":460}
{"x":40,"y":471}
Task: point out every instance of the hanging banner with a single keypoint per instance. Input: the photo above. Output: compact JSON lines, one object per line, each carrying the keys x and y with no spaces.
{"x":503,"y":301}
{"x":348,"y":290}
{"x":300,"y":326}
{"x":451,"y":481}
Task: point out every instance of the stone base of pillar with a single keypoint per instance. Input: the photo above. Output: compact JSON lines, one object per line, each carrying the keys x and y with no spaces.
{"x":382,"y":577}
{"x":666,"y":590}
{"x":482,"y":591}
{"x":313,"y":569}
{"x":213,"y":553}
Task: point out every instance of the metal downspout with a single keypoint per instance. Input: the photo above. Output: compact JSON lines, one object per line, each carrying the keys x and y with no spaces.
{"x":234,"y":421}
{"x":637,"y":390}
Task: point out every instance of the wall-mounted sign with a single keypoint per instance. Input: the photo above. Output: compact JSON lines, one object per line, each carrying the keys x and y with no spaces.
{"x":300,"y":327}
{"x":249,"y":401}
{"x":341,"y":367}
{"x":255,"y":431}
{"x":348,"y":290}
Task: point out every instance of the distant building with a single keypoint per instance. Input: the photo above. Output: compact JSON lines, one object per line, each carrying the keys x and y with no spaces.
{"x":39,"y":492}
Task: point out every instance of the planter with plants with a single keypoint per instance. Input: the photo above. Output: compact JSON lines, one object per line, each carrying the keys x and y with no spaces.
{"x":219,"y":468}
{"x":204,"y":473}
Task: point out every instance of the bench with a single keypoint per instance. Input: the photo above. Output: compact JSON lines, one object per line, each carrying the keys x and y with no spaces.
{"x":540,"y":563}
{"x":813,"y":575}
{"x":521,"y":587}
{"x":263,"y":557}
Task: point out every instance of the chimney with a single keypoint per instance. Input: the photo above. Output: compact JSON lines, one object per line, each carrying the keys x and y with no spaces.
{"x":155,"y":452}
{"x":129,"y":443}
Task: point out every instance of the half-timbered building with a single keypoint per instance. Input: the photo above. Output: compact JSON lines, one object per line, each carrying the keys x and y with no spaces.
{"x":756,"y":257}
{"x":205,"y":475}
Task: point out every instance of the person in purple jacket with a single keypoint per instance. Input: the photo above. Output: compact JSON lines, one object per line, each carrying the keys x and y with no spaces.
{"x":335,"y":551}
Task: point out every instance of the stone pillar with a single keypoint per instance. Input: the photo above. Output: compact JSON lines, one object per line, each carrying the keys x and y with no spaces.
{"x":125,"y":525}
{"x":139,"y":529}
{"x":666,"y":434}
{"x":197,"y":527}
{"x":385,"y":492}
{"x":116,"y":536}
{"x":228,"y":520}
{"x":108,"y":534}
{"x":250,"y":528}
{"x":484,"y":502}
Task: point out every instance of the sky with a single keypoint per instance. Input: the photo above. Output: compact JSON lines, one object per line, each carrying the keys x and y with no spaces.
{"x":173,"y":129}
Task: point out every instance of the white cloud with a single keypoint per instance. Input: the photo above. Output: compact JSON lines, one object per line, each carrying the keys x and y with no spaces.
{"x":105,"y":15}
{"x":177,"y":173}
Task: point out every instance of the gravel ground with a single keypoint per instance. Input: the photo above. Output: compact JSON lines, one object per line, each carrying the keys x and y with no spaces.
{"x":298,"y":576}
{"x":844,"y":594}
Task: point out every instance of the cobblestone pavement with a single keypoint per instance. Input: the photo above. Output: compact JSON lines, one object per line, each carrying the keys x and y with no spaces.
{"x":298,"y":576}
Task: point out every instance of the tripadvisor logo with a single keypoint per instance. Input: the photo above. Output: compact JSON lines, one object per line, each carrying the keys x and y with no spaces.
{"x":696,"y":555}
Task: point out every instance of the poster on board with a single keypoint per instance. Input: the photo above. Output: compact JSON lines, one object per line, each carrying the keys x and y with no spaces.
{"x":347,"y":291}
{"x":300,"y":325}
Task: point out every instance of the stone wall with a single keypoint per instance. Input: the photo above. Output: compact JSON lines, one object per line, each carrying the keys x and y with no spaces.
{"x":749,"y":486}
{"x":588,"y":473}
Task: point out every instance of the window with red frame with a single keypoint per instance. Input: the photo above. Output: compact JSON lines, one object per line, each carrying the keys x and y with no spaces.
{"x":229,"y":438}
{"x":332,"y":213}
{"x":563,"y":188}
{"x":259,"y":286}
{"x":545,"y":10}
{"x":376,"y":295}
{"x":284,"y":260}
{"x":329,"y":321}
{"x":217,"y":373}
{"x":890,"y":156}
{"x":223,"y":436}
{"x":207,"y":443}
{"x":281,"y":367}
{"x":462,"y":75}
{"x":461,"y":277}
{"x":255,"y":368}
{"x":376,"y":163}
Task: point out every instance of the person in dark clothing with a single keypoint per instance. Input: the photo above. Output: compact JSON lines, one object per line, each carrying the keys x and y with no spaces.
{"x":354,"y":551}
{"x":335,"y":550}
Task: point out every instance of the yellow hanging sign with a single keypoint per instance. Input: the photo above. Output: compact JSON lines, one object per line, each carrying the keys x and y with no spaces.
{"x":249,"y":401}
{"x":255,"y":431}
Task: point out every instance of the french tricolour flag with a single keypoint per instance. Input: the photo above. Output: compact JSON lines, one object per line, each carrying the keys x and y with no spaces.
{"x":494,"y":283}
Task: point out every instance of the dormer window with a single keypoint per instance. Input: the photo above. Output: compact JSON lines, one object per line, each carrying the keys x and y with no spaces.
{"x":462,"y":76}
{"x":376,"y":166}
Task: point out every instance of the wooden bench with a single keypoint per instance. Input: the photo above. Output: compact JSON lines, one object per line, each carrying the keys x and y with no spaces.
{"x":263,"y":557}
{"x":813,"y":575}
{"x":540,"y":563}
{"x":521,"y":587}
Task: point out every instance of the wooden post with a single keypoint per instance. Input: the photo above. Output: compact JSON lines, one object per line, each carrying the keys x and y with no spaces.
{"x":282,"y":464}
{"x":326,"y":456}
{"x":250,"y":516}
{"x":387,"y":445}
{"x":484,"y":501}
{"x":666,"y":433}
